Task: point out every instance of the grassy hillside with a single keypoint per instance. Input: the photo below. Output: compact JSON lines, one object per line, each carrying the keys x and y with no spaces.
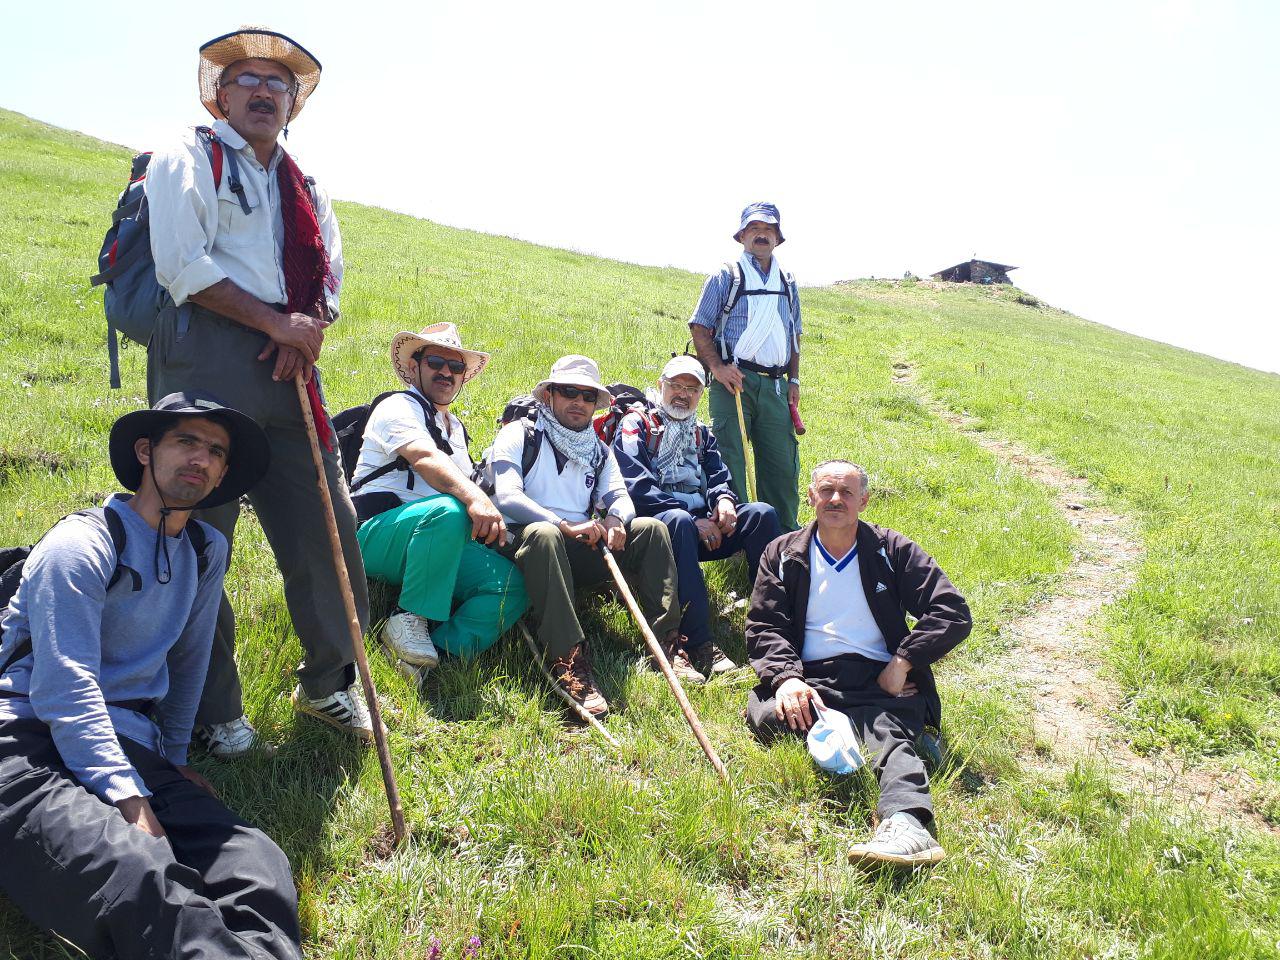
{"x":535,"y":838}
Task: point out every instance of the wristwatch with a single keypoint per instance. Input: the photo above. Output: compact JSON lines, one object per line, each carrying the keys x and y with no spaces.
{"x":794,"y":381}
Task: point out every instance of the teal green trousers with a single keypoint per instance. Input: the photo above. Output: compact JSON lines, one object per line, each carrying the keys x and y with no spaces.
{"x":425,"y":548}
{"x":773,"y":440}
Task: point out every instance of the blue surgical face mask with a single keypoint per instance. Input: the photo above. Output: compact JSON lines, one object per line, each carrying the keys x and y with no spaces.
{"x":832,"y":744}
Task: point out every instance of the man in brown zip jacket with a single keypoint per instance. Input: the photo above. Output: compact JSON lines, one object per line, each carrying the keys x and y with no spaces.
{"x":827,"y":631}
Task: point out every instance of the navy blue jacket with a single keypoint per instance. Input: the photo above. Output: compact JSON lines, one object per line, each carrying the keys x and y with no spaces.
{"x":642,"y":477}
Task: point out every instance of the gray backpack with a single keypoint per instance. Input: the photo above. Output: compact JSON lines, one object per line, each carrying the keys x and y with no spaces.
{"x":133,"y":297}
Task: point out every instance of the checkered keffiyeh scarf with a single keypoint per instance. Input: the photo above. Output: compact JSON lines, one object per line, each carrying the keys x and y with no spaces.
{"x":678,"y":437}
{"x":580,"y":446}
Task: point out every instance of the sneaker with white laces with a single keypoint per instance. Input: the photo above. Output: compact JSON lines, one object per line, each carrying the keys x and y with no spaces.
{"x":408,"y":638}
{"x":899,"y":841}
{"x":234,"y":738}
{"x":344,"y":709}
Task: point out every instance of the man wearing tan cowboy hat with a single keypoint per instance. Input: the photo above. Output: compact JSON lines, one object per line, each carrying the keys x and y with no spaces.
{"x":425,"y":526}
{"x":249,"y":252}
{"x":552,"y":510}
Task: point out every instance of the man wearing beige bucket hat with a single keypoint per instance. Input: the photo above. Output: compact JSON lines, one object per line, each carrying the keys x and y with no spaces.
{"x":425,"y":526}
{"x":552,"y":509}
{"x":249,"y":252}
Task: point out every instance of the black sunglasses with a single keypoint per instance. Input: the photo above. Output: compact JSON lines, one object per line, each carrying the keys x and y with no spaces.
{"x":573,"y":393}
{"x":436,"y":362}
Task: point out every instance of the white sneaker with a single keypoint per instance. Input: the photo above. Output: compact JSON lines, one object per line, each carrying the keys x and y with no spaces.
{"x":407,"y":637}
{"x":344,"y":709}
{"x":900,"y":842}
{"x":234,"y":738}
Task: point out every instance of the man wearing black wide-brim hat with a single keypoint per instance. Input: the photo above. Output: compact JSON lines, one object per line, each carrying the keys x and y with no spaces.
{"x":250,"y":254}
{"x":109,"y":839}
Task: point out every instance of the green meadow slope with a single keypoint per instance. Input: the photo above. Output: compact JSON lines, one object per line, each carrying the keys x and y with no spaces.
{"x":535,"y":838}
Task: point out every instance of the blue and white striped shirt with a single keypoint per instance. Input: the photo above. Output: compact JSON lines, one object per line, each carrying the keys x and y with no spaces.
{"x":716,"y":292}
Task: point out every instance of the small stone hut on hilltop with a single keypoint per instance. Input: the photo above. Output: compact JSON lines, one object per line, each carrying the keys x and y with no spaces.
{"x":976,"y":271}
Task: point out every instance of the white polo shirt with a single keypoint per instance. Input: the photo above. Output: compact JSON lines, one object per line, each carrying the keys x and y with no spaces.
{"x":839,"y":619}
{"x":569,"y":493}
{"x":394,"y":422}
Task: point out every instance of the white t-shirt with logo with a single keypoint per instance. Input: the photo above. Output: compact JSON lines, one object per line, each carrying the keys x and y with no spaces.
{"x":839,"y":619}
{"x":568,"y":493}
{"x":394,"y":422}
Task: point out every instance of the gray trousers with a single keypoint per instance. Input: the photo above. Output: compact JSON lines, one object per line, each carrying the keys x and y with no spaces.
{"x":887,"y":728}
{"x":220,"y":356}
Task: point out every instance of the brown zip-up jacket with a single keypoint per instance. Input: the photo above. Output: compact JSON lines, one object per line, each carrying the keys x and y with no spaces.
{"x":898,"y":578}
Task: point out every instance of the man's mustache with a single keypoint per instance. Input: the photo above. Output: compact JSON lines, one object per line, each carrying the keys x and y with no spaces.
{"x":262,"y":106}
{"x":441,"y":379}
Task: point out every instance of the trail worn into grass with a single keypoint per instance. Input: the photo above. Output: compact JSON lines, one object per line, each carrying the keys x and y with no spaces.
{"x":1056,"y":654}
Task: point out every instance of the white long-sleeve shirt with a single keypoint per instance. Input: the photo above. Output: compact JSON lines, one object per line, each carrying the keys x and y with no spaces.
{"x":200,"y":236}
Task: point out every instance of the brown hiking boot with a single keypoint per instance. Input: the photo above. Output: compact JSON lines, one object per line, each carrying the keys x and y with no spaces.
{"x":574,"y":675}
{"x":678,"y":657}
{"x":711,"y":660}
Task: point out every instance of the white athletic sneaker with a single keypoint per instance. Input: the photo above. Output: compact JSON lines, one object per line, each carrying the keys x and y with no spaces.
{"x":234,"y":738}
{"x":344,"y":709}
{"x":900,"y":842}
{"x":407,"y":637}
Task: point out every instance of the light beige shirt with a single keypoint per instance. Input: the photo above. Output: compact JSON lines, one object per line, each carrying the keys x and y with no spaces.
{"x":200,"y":236}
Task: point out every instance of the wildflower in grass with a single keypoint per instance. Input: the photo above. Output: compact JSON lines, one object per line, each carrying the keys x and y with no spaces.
{"x":472,"y":949}
{"x":433,"y":948}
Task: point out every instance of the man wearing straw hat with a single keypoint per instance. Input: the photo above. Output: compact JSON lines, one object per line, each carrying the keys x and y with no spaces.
{"x":110,"y":840}
{"x":746,"y":329}
{"x":552,"y":511}
{"x":426,"y":527}
{"x":252,"y":259}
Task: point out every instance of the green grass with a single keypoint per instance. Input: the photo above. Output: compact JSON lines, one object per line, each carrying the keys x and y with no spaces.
{"x":531,"y":835}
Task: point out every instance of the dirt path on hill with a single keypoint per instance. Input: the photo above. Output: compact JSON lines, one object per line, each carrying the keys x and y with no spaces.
{"x":1056,"y":654}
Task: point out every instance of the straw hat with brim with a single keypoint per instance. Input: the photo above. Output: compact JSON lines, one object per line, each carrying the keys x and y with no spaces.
{"x":250,"y":450}
{"x":575,"y":371}
{"x":406,"y":344}
{"x":256,"y":43}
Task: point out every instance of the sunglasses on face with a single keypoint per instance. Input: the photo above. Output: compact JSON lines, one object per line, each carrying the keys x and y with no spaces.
{"x":573,"y":393}
{"x":435,"y":362}
{"x":251,"y":81}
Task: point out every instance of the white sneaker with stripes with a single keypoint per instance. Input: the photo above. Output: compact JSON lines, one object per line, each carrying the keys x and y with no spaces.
{"x":344,"y":709}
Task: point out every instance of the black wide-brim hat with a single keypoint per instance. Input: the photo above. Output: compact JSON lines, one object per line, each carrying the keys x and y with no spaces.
{"x":250,"y":450}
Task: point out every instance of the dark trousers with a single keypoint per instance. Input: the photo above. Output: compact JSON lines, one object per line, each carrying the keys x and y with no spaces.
{"x":220,"y":356}
{"x":216,"y":888}
{"x":757,"y":525}
{"x":886,"y":726}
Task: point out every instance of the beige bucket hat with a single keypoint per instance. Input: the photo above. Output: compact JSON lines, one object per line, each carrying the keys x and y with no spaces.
{"x":575,"y":370}
{"x":406,"y":343}
{"x":256,"y":43}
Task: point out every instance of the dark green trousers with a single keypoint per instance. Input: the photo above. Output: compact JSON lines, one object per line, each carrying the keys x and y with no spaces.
{"x":219,"y":356}
{"x":773,"y":440}
{"x":554,"y":567}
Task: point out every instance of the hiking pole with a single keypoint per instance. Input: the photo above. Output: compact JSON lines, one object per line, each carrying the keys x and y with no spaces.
{"x":655,"y":650}
{"x":583,"y":713}
{"x":747,"y":452}
{"x":353,"y":621}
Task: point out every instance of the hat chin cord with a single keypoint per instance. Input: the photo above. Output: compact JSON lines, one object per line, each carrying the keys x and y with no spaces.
{"x":162,"y":536}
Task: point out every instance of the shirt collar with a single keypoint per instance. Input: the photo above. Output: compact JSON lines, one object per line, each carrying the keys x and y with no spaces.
{"x":228,"y":135}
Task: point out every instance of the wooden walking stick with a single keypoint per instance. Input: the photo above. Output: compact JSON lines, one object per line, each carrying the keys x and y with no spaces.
{"x":583,"y":713}
{"x":353,"y":621}
{"x":655,"y":649}
{"x":746,"y":448}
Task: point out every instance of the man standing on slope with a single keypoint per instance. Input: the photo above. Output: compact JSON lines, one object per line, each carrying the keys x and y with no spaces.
{"x":109,"y":840}
{"x":746,"y":329}
{"x":252,"y":259}
{"x":827,"y":631}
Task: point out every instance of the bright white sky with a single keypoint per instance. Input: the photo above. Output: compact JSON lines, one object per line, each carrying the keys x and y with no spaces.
{"x":1123,"y":154}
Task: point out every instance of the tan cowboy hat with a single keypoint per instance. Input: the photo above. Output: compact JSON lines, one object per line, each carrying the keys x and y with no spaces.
{"x":255,"y":43}
{"x":575,"y":370}
{"x":407,"y":343}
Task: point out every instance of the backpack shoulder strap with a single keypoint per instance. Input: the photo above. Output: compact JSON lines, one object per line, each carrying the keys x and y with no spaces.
{"x":532,"y":445}
{"x":735,"y":293}
{"x":429,"y":415}
{"x":789,"y":284}
{"x":200,"y":543}
{"x":217,"y":151}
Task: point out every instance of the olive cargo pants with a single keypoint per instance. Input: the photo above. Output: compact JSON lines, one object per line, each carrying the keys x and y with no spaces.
{"x":773,"y":440}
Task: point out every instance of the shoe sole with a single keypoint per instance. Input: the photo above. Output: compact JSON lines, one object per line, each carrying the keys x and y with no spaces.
{"x":306,"y":710}
{"x":924,"y":858}
{"x":428,"y":661}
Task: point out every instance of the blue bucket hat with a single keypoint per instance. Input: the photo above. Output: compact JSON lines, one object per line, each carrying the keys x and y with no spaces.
{"x":765,"y":213}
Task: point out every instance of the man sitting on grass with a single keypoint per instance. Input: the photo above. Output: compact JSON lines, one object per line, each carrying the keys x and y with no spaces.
{"x":673,"y":470}
{"x":424,"y":525}
{"x":827,"y":631}
{"x":109,"y":840}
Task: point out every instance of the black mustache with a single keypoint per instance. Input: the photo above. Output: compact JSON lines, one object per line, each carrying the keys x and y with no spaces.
{"x":262,"y":106}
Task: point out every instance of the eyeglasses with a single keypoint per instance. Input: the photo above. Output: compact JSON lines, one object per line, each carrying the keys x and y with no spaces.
{"x":252,"y":81}
{"x":573,"y":393}
{"x":677,"y":387}
{"x":435,"y":362}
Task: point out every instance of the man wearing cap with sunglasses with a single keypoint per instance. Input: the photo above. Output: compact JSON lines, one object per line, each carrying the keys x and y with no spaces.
{"x":425,"y":525}
{"x":251,"y":258}
{"x":109,"y":839}
{"x":746,"y":329}
{"x":552,"y":511}
{"x":671,"y":463}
